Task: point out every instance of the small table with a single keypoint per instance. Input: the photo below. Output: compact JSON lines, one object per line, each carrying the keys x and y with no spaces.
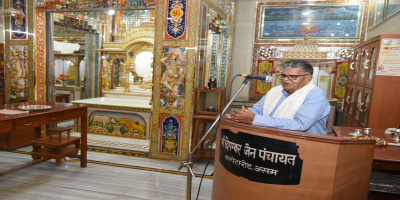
{"x":387,"y":157}
{"x":386,"y":163}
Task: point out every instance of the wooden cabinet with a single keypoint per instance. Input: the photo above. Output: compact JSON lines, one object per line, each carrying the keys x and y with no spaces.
{"x":363,"y":64}
{"x":364,"y":109}
{"x":349,"y":102}
{"x":369,"y":80}
{"x":372,"y":100}
{"x":209,"y":103}
{"x":354,"y":66}
{"x":361,"y":105}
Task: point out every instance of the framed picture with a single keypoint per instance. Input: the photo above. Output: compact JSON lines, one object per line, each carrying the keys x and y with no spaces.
{"x":393,"y":7}
{"x":377,"y":10}
{"x":324,"y":21}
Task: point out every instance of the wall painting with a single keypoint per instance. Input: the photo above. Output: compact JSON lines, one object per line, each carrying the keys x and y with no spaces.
{"x":170,"y":140}
{"x":176,"y":17}
{"x":18,"y":23}
{"x":325,"y":21}
{"x":117,"y":124}
{"x":258,"y":88}
{"x":341,"y":80}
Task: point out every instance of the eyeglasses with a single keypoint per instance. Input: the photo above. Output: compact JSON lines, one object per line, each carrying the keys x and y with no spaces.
{"x":290,"y":77}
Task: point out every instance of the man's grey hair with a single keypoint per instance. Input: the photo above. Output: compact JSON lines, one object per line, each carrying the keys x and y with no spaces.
{"x":307,"y":67}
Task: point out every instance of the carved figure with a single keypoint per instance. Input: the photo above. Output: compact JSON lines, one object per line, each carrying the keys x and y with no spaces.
{"x":17,"y":67}
{"x":131,"y":125}
{"x":174,"y":72}
{"x":103,"y":119}
{"x":21,"y":83}
{"x":116,"y":72}
{"x":120,"y":35}
{"x":106,"y":78}
{"x":122,"y":70}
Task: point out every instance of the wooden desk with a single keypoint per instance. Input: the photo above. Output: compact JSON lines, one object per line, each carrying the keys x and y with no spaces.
{"x":384,"y":157}
{"x":13,"y":127}
{"x":323,"y":167}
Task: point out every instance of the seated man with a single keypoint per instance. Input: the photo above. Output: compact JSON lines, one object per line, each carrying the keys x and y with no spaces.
{"x":297,"y":104}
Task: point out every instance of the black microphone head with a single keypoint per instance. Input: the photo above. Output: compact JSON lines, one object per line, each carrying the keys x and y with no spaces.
{"x":262,"y":78}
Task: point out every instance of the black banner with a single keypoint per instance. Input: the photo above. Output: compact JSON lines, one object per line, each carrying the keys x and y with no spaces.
{"x":260,"y":159}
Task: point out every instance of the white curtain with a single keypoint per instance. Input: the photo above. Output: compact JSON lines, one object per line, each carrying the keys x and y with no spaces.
{"x":65,"y":47}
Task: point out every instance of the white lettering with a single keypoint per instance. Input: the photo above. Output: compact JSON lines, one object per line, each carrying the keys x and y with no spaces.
{"x":248,"y":151}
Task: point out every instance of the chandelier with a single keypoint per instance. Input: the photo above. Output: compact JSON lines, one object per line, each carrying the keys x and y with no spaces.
{"x":11,"y":12}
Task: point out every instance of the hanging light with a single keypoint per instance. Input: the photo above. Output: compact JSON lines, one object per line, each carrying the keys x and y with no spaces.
{"x":12,"y":12}
{"x":111,"y":12}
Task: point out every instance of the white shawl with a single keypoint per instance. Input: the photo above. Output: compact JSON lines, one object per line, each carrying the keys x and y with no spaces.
{"x":290,"y":105}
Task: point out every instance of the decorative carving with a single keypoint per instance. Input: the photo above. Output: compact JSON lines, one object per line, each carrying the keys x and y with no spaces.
{"x":106,"y":76}
{"x":142,"y":47}
{"x":174,"y":72}
{"x":215,"y":25}
{"x":116,"y":72}
{"x":173,"y":76}
{"x":120,"y":35}
{"x":18,"y":73}
{"x":124,"y":51}
{"x":305,"y":50}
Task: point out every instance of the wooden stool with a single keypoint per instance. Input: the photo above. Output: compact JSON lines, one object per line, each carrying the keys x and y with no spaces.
{"x":59,"y":131}
{"x":56,"y":147}
{"x":61,"y":97}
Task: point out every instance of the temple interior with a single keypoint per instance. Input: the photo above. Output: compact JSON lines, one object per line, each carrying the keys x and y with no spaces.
{"x":156,"y":76}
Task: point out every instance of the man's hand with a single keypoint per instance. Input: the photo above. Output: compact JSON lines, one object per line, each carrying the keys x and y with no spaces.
{"x":244,"y":115}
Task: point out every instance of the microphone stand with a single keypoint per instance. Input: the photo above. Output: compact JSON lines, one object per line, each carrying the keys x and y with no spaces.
{"x":189,"y":160}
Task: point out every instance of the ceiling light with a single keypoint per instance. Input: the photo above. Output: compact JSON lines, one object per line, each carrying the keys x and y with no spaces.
{"x":111,"y":12}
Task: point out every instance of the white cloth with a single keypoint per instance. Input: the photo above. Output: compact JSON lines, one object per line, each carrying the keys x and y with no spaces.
{"x":290,"y":105}
{"x":12,"y":112}
{"x":66,"y":48}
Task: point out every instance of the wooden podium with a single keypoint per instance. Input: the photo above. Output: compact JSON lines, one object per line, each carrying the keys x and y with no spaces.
{"x":253,"y":162}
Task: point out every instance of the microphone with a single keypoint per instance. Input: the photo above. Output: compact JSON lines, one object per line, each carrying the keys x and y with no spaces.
{"x":263,"y":78}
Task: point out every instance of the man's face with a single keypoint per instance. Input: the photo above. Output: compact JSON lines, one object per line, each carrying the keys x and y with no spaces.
{"x":291,"y":85}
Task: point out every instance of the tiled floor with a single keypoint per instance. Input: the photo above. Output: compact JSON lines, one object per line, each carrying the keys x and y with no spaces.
{"x":106,"y":177}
